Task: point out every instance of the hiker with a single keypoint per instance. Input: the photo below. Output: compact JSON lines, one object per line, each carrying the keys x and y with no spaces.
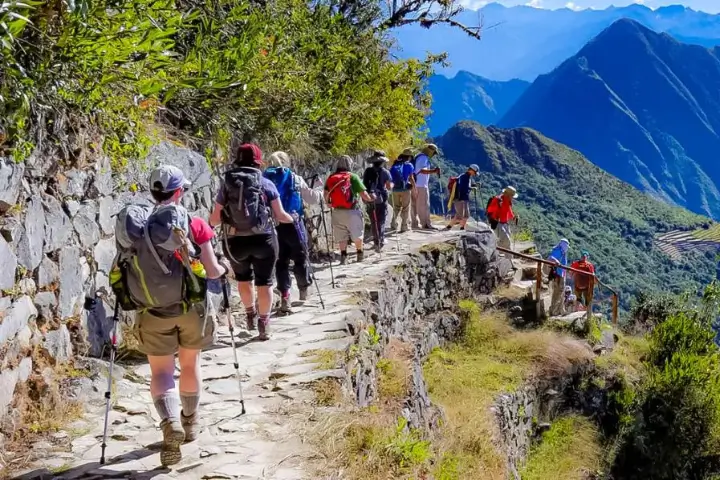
{"x":245,"y":206}
{"x":500,"y":213}
{"x":164,"y":265}
{"x":378,"y":182}
{"x":402,"y":173}
{"x":421,"y":195}
{"x":558,"y":255}
{"x":292,"y":238}
{"x":459,"y":191}
{"x":584,"y":283}
{"x":342,"y":190}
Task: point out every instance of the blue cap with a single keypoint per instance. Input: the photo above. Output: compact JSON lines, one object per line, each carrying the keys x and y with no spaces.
{"x":168,"y":178}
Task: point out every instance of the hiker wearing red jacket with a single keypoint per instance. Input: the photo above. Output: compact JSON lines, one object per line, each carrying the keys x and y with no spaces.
{"x":500,"y":214}
{"x":584,"y":284}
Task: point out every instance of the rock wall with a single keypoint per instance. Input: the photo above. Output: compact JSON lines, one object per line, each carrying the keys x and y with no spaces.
{"x":416,"y":305}
{"x":57,"y":248}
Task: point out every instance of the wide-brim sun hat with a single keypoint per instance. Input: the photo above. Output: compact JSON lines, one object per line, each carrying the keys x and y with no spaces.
{"x":510,"y":190}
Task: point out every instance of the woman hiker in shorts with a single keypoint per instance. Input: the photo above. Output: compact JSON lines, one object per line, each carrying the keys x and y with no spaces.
{"x":160,"y":337}
{"x":245,"y":206}
{"x":342,"y":190}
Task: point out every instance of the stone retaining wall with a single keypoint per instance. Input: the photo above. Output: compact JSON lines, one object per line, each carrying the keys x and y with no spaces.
{"x":416,"y":304}
{"x":56,"y":249}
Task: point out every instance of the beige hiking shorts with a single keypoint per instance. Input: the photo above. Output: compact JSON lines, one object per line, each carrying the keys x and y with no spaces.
{"x":347,"y":224}
{"x":462,"y":209}
{"x":158,"y":336}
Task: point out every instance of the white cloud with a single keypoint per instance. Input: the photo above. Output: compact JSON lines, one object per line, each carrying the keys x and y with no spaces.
{"x":473,"y":4}
{"x":534,"y":3}
{"x":572,"y":6}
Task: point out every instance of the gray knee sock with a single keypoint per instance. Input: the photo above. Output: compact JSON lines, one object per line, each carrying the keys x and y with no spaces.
{"x":167,"y":405}
{"x":190,"y":402}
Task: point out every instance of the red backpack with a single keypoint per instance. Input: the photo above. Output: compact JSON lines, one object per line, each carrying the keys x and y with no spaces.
{"x":451,"y":183}
{"x":340,"y":190}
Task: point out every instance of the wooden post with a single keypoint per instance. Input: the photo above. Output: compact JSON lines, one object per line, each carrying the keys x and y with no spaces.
{"x":538,"y":289}
{"x":615,"y":309}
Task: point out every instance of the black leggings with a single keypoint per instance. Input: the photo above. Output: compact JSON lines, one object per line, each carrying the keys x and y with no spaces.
{"x":292,"y":248}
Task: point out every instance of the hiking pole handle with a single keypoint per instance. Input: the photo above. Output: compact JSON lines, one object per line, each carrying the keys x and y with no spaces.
{"x":226,"y":294}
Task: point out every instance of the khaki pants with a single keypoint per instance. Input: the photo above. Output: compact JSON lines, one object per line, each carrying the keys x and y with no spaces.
{"x":584,"y":295}
{"x":421,"y":208}
{"x":401,"y":206}
{"x":502,"y":232}
{"x":557,"y":302}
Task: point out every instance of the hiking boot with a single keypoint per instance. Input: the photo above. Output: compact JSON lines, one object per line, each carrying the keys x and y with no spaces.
{"x":449,"y":227}
{"x":303,"y":293}
{"x":343,"y":259}
{"x":250,"y":321}
{"x":285,"y":306}
{"x":360,"y":256}
{"x":264,"y":329}
{"x":173,"y":437}
{"x":191,"y":426}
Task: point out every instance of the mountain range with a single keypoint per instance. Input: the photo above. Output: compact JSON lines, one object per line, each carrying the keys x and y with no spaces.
{"x":562,"y":194}
{"x":470,"y":97}
{"x":524,"y":42}
{"x":640,"y":105}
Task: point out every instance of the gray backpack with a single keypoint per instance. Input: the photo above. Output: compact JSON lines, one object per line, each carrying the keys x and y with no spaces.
{"x":246,"y":209}
{"x":154,"y":257}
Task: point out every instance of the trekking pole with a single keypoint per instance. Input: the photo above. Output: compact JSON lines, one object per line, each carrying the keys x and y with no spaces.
{"x":113,"y":354}
{"x":303,"y":240}
{"x":231,"y":326}
{"x":330,"y":248}
{"x":377,"y":230}
{"x":396,"y":214}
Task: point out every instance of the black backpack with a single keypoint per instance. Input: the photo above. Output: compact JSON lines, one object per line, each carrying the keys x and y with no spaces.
{"x":371,"y":179}
{"x":246,"y":208}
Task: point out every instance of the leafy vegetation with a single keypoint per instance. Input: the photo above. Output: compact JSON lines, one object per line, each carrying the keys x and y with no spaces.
{"x":561,"y":194}
{"x":675,"y":433}
{"x":311,"y":77}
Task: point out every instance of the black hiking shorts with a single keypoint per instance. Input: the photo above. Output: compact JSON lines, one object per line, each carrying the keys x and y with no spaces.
{"x":253,"y":258}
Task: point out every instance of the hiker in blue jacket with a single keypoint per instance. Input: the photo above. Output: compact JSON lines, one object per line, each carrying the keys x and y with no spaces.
{"x":403,"y":178}
{"x":558,"y":255}
{"x":292,"y":238}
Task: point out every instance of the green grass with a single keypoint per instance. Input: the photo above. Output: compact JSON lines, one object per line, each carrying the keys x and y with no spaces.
{"x":325,"y":359}
{"x":466,"y":378}
{"x":393,"y":379}
{"x":570,"y":450}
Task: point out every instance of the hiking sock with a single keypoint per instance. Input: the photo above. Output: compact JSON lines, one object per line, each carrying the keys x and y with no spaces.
{"x":285,"y":295}
{"x":250,"y":312}
{"x":168,"y":405}
{"x":190,"y":402}
{"x":360,"y":255}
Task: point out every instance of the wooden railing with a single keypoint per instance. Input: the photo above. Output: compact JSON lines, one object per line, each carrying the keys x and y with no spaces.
{"x":539,"y":277}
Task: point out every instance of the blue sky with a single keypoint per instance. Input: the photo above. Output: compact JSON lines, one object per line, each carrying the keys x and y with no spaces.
{"x":712,"y":6}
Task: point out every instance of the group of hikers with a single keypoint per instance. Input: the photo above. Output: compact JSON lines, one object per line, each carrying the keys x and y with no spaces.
{"x":167,"y":261}
{"x":566,"y":299}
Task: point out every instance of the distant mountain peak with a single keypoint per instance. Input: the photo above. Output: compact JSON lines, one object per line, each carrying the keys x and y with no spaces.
{"x":642,"y":106}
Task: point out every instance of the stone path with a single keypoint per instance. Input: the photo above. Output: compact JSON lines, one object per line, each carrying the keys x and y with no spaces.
{"x":266,"y":442}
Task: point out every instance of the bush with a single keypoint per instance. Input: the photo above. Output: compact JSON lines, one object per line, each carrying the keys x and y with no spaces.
{"x":676,"y":433}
